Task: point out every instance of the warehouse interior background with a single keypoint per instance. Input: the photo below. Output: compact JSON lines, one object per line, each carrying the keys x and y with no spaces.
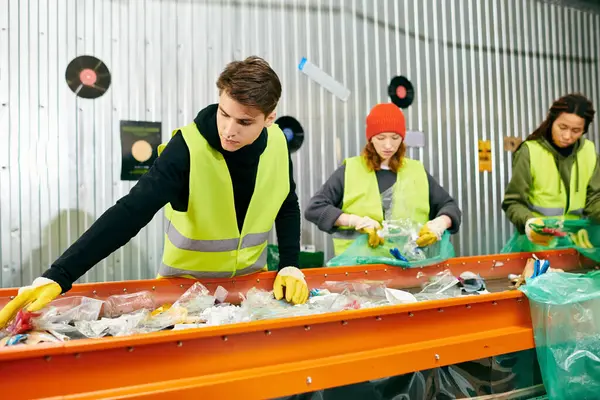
{"x":482,"y":70}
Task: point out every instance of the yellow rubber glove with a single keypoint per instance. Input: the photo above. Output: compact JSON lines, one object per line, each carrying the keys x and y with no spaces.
{"x":374,"y":239}
{"x":533,"y":236}
{"x":296,"y":289}
{"x":433,"y":230}
{"x":35,"y":297}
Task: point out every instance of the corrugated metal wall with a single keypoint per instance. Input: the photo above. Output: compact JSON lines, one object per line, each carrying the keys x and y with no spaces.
{"x":483,"y":69}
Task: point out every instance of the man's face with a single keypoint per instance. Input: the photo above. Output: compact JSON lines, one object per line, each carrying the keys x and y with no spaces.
{"x":239,"y":125}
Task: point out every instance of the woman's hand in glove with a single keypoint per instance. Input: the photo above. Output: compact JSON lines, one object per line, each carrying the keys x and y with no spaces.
{"x":35,"y":297}
{"x":433,"y":230}
{"x":363,"y":223}
{"x":296,"y":289}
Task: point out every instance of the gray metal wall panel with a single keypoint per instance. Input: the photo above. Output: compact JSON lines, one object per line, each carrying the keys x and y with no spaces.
{"x":482,"y":70}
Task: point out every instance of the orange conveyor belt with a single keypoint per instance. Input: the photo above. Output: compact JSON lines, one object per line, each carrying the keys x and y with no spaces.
{"x":279,"y":357}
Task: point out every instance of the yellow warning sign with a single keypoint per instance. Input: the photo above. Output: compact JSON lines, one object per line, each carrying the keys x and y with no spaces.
{"x":485,"y":156}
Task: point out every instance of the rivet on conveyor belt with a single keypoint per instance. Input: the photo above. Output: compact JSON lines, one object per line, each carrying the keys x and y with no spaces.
{"x":62,"y":294}
{"x":468,"y":306}
{"x":478,"y":261}
{"x":464,"y":263}
{"x":179,"y":343}
{"x":440,"y":310}
{"x":519,"y":300}
{"x":130,"y":349}
{"x":494,"y":303}
{"x":308,"y":380}
{"x":12,"y":297}
{"x":437,"y":356}
{"x":411,"y":314}
{"x":257,"y":280}
{"x":366,"y":272}
{"x":153,"y":287}
{"x":347,"y":274}
{"x":94,"y":292}
{"x":181,"y":286}
{"x":77,"y":355}
{"x":268,"y":333}
{"x":385,"y":270}
{"x":224,"y":338}
{"x":307,"y":327}
{"x":344,"y":322}
{"x":47,"y":358}
{"x":378,"y":318}
{"x":124,"y":289}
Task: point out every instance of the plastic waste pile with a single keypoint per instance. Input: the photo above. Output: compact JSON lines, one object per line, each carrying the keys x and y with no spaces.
{"x":79,"y":317}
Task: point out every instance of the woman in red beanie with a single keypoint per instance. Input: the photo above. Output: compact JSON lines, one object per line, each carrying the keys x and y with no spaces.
{"x":382,"y":182}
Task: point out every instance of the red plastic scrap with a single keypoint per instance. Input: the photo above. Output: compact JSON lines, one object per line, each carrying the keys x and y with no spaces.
{"x":22,"y":323}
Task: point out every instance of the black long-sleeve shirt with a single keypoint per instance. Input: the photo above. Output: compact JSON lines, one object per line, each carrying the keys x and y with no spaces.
{"x":167,"y":181}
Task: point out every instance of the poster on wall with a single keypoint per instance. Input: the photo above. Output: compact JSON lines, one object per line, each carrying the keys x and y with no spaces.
{"x":139,"y":147}
{"x":485,"y":156}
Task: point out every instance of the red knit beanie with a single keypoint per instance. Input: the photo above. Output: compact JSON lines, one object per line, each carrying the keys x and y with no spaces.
{"x":385,"y":117}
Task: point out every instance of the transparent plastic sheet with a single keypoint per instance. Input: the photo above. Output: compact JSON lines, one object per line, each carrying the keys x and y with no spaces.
{"x":482,"y":377}
{"x":565,"y":312}
{"x":582,"y":235}
{"x":58,"y":316}
{"x":441,"y":286}
{"x":400,"y":235}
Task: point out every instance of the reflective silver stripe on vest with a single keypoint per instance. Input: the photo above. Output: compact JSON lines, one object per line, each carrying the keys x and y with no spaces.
{"x":578,"y":212}
{"x":166,"y":271}
{"x":548,"y":211}
{"x":212,"y":246}
{"x":346,"y":234}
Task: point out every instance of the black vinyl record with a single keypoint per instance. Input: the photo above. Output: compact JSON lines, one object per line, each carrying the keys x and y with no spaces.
{"x":87,"y":77}
{"x":292,"y":130}
{"x":401,"y":91}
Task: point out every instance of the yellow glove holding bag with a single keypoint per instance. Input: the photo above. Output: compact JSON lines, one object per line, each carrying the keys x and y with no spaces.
{"x":296,"y":289}
{"x":374,"y":239}
{"x":433,"y":230}
{"x":35,"y":297}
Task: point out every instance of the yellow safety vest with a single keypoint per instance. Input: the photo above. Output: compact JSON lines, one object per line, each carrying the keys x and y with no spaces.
{"x":547,"y":195}
{"x":204,"y":241}
{"x":362,"y":197}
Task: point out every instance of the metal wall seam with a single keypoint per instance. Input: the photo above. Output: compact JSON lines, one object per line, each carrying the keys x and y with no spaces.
{"x":322,"y":112}
{"x":501,"y":111}
{"x":476,"y":112}
{"x":345,"y":81}
{"x":435,"y":124}
{"x":458,"y":131}
{"x":496,"y":149}
{"x":445,"y":122}
{"x":466,"y":205}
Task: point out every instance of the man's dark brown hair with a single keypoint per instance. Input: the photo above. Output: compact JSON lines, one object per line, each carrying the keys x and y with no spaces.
{"x":252,"y":83}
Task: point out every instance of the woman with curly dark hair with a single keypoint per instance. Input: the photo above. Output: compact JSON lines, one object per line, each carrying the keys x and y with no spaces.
{"x":555,"y":170}
{"x":382,"y":183}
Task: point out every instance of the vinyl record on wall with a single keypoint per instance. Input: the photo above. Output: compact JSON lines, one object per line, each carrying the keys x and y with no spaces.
{"x":87,"y":77}
{"x":293,"y":131}
{"x":401,"y":91}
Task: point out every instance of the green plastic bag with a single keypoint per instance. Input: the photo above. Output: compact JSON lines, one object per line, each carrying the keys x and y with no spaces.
{"x":359,"y":253}
{"x":575,"y":239}
{"x":565,"y":313}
